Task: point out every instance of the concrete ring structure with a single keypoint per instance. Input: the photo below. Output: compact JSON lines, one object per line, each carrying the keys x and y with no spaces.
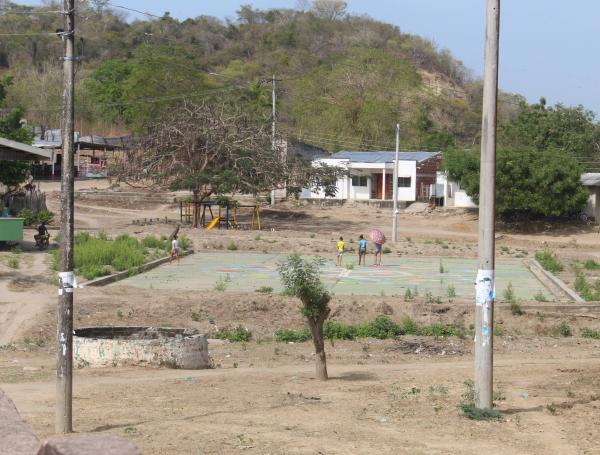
{"x":152,"y":346}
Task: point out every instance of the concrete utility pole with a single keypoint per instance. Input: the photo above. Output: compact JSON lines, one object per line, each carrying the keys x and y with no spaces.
{"x":64,"y":360}
{"x":395,"y":186}
{"x":274,"y":101}
{"x":485,"y":289}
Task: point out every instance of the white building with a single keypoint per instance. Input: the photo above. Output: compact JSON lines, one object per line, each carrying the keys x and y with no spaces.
{"x":451,"y":192}
{"x":371,"y":175}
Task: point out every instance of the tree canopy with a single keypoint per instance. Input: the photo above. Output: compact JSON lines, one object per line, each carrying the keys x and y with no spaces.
{"x":528,"y":181}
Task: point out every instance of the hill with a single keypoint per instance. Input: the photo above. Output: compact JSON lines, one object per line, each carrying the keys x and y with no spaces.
{"x":343,"y":81}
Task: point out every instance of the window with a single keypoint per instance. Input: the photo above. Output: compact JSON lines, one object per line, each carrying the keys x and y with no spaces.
{"x":359,"y":180}
{"x":404,"y":182}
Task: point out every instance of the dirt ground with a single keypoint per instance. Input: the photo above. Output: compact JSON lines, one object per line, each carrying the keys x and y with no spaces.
{"x":392,"y":396}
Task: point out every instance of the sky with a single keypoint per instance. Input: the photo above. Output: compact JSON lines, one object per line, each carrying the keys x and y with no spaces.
{"x":548,"y":48}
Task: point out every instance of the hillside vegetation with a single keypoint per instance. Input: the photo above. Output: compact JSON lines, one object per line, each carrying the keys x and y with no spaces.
{"x":343,"y":81}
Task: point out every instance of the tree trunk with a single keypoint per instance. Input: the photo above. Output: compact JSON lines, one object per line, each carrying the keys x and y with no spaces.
{"x":316,"y":329}
{"x":196,"y":212}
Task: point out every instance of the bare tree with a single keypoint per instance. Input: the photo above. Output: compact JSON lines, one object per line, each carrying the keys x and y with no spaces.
{"x":329,"y":9}
{"x":215,"y":148}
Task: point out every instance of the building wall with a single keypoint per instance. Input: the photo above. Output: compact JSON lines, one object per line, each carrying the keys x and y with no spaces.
{"x":454,"y":196}
{"x":348,"y":192}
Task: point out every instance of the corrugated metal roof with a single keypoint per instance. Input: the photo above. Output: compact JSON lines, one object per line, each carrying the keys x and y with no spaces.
{"x":382,"y":157}
{"x":591,"y":179}
{"x":17,"y":150}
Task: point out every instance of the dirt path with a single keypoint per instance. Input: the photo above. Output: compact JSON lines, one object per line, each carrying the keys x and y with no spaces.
{"x":23,"y":295}
{"x":405,"y":406}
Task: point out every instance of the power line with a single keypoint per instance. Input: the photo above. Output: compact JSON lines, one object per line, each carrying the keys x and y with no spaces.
{"x":146,"y":13}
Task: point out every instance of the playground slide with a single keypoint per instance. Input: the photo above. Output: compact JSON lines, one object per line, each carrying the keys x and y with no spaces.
{"x":213,"y":223}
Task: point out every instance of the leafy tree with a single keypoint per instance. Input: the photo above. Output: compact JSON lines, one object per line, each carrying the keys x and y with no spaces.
{"x":10,"y":123}
{"x":106,"y":86}
{"x":301,"y":279}
{"x":12,"y":175}
{"x":570,"y":129}
{"x":528,"y":181}
{"x":329,"y":9}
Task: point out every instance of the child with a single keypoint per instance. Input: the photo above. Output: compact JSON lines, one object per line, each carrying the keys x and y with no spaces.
{"x":174,"y":249}
{"x":377,"y":251}
{"x":340,"y":251}
{"x":362,"y":250}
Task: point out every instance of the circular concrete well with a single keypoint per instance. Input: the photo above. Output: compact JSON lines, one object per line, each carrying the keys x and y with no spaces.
{"x":155,"y":346}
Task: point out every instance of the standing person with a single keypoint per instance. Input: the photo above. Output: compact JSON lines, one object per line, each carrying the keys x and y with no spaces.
{"x":378,"y":251}
{"x":362,"y":250}
{"x":341,"y":245}
{"x":174,"y":249}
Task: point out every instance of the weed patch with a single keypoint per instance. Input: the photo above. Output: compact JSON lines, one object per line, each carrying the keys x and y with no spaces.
{"x":589,"y":333}
{"x":549,"y":261}
{"x":265,"y":290}
{"x":238,"y":335}
{"x":293,"y":336}
{"x":516,"y":309}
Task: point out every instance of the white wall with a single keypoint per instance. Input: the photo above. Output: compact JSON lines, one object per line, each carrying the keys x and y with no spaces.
{"x":454,"y":196}
{"x":347,"y":191}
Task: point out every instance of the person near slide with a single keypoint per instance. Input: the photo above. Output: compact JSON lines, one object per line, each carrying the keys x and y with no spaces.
{"x":174,"y":249}
{"x":377,"y":251}
{"x":341,"y":245}
{"x":362,"y":250}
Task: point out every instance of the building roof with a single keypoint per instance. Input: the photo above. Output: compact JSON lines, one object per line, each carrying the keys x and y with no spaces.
{"x":383,"y":157}
{"x":17,"y":151}
{"x":590,"y":179}
{"x":86,"y":142}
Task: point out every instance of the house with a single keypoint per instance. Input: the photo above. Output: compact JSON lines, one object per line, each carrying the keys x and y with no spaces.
{"x":370,"y":175}
{"x":450,"y":194}
{"x":17,"y":151}
{"x":591,"y":181}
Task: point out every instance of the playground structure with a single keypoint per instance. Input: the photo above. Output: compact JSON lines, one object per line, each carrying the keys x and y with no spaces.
{"x":227,"y":216}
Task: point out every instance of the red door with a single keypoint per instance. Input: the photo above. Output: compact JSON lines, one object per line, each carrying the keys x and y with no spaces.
{"x":379,"y":186}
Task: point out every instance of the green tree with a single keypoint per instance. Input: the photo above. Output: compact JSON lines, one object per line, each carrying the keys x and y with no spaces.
{"x":301,"y":278}
{"x":571,"y":129}
{"x":528,"y":181}
{"x":106,"y":87}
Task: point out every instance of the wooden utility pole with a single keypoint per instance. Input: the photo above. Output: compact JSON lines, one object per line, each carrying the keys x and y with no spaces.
{"x":64,"y":360}
{"x":274,"y":102}
{"x":395,"y":187}
{"x":485,"y":289}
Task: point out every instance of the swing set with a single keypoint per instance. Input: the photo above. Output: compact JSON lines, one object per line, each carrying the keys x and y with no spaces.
{"x":222,"y":215}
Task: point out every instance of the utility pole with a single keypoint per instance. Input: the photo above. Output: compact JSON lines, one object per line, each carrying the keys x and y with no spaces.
{"x":274,"y":101}
{"x":64,"y":360}
{"x":395,"y":187}
{"x":485,"y":289}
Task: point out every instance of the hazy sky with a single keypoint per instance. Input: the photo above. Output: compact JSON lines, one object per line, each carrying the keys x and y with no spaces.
{"x":549,"y":48}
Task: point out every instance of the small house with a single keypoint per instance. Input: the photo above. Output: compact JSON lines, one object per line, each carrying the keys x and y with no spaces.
{"x":370,"y":175}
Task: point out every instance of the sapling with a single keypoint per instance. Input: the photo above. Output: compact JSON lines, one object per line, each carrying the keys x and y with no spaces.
{"x":301,"y":278}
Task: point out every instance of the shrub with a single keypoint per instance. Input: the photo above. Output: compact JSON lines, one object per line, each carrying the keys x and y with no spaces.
{"x":290,"y":335}
{"x":28,"y":217}
{"x":471,"y":412}
{"x":13,"y":263}
{"x":509,"y":293}
{"x":408,"y":295}
{"x":584,"y":288}
{"x":451,"y":291}
{"x":563,"y":330}
{"x":237,"y":335}
{"x":549,"y":261}
{"x":222,"y":283}
{"x":335,"y":330}
{"x":382,"y":327}
{"x":232,"y":246}
{"x":265,"y":290}
{"x":45,"y":216}
{"x":516,"y":309}
{"x":589,"y":333}
{"x":152,"y":242}
{"x":590,"y":264}
{"x":386,"y":250}
{"x":540,"y":297}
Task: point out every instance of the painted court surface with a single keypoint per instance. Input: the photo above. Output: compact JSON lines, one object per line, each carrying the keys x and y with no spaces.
{"x":249,"y":271}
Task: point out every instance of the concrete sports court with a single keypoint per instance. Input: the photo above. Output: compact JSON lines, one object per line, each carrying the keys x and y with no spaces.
{"x":244,"y":271}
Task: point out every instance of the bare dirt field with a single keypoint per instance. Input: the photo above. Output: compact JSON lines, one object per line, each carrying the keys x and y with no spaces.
{"x":384,"y":396}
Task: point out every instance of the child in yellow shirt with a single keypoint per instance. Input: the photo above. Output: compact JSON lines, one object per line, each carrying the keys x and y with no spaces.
{"x":340,"y":250}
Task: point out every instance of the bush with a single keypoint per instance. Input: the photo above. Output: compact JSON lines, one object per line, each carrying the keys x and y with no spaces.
{"x":509,"y":293}
{"x":152,"y":242}
{"x":232,"y":246}
{"x":585,"y":289}
{"x":540,"y":297}
{"x":563,"y":330}
{"x":382,"y":327}
{"x":45,"y":216}
{"x":471,"y":412}
{"x":265,"y":290}
{"x":335,"y":330}
{"x":590,"y":264}
{"x":386,"y":250}
{"x":237,"y":335}
{"x":290,"y":335}
{"x":29,"y":218}
{"x":589,"y":333}
{"x":516,"y":309}
{"x":13,"y":263}
{"x":549,"y":261}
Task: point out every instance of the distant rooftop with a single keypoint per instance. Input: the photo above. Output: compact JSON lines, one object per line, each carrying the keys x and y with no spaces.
{"x":591,"y":179}
{"x":383,"y":157}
